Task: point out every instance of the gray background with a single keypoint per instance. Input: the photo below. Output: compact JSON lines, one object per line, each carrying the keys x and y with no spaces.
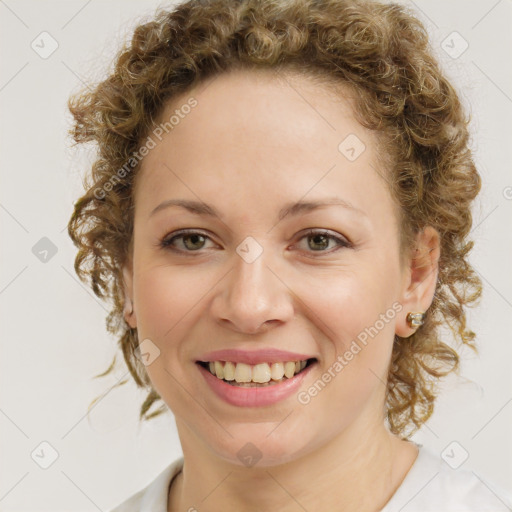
{"x":53,"y":339}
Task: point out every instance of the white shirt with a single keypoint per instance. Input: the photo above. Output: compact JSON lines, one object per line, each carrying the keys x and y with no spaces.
{"x":429,"y":486}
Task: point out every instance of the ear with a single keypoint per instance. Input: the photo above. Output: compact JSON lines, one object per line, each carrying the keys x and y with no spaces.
{"x":420,"y":278}
{"x":129,"y":308}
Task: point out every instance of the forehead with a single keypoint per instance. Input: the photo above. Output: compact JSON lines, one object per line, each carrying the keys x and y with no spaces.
{"x":267,"y":103}
{"x":259,"y":133}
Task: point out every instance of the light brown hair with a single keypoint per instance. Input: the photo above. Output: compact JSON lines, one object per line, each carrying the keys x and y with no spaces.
{"x":380,"y":51}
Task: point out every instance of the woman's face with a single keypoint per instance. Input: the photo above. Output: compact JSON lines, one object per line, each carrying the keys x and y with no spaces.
{"x":253,"y":280}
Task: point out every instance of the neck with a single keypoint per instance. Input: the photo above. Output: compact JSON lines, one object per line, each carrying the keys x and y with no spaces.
{"x":359,"y":470}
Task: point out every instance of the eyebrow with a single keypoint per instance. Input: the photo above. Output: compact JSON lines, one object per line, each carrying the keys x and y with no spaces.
{"x":200,"y":208}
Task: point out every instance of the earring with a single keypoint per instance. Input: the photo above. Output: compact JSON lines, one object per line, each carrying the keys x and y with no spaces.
{"x":414,"y":320}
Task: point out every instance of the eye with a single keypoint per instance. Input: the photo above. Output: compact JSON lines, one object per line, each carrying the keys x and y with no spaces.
{"x":320,"y":240}
{"x":192,"y":241}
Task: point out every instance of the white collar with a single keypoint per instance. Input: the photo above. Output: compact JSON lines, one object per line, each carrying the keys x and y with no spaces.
{"x":155,"y":496}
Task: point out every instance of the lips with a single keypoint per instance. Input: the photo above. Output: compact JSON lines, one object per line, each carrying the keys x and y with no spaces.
{"x":266,"y":394}
{"x":254,"y":378}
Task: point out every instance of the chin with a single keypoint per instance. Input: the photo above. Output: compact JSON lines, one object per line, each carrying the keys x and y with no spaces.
{"x":259,"y":445}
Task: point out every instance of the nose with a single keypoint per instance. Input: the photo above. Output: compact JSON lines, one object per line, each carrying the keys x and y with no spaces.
{"x":253,"y":296}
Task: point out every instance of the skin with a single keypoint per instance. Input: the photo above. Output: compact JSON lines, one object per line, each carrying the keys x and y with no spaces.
{"x":252,"y":144}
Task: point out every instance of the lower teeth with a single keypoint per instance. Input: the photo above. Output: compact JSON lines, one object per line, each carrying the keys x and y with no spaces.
{"x":252,"y":384}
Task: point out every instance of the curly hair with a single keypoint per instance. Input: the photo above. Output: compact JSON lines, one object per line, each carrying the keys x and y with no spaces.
{"x":382,"y":53}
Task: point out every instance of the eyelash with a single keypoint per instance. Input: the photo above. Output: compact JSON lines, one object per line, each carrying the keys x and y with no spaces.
{"x":166,"y":243}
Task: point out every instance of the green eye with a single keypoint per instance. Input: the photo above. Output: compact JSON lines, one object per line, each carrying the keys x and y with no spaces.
{"x":196,"y":241}
{"x":321,"y":240}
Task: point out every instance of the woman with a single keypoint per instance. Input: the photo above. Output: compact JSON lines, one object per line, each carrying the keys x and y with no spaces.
{"x":279,"y":212}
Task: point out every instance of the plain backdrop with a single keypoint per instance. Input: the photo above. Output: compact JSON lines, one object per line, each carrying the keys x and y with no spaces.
{"x":53,"y":336}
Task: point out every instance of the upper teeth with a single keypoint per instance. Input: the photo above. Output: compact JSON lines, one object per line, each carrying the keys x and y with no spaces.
{"x":263,"y":372}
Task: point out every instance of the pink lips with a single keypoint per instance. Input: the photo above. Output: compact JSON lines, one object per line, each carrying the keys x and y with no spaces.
{"x":253,"y":397}
{"x":269,"y":355}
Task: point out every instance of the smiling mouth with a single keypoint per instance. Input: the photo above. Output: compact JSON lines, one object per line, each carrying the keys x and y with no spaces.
{"x":258,"y":375}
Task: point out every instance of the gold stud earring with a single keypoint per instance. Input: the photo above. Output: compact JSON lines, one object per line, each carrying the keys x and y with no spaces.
{"x":414,"y":320}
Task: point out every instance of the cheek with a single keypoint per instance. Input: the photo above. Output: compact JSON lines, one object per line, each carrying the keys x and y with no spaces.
{"x":168,"y":306}
{"x":345,"y":302}
{"x":167,"y":298}
{"x":356,"y":313}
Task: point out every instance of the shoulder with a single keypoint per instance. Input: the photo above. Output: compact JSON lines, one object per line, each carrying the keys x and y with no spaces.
{"x":153,"y":497}
{"x":431,"y":485}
